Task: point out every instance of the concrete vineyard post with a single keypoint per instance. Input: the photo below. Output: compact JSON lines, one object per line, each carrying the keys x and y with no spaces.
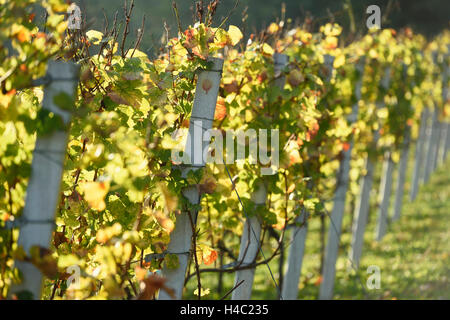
{"x":403,"y":165}
{"x":362,"y":207}
{"x":201,"y":120}
{"x":384,"y":196}
{"x":337,"y":213}
{"x":298,"y":236}
{"x":447,"y":142}
{"x":445,"y":125}
{"x":249,"y":247}
{"x":419,"y":154}
{"x":432,"y":133}
{"x":439,"y":129}
{"x":443,"y":143}
{"x":38,"y":219}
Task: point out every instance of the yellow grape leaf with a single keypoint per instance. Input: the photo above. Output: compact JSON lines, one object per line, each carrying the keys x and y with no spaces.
{"x":339,"y":61}
{"x":94,"y":36}
{"x":331,"y":29}
{"x":267,"y":49}
{"x":383,"y":113}
{"x":170,"y":199}
{"x":205,"y":254}
{"x":281,"y":223}
{"x":235,"y":34}
{"x":105,"y":234}
{"x":140,"y":273}
{"x":164,"y":221}
{"x":294,"y":157}
{"x":273,"y":28}
{"x":291,"y":188}
{"x":199,"y":254}
{"x":94,"y":194}
{"x":331,"y":42}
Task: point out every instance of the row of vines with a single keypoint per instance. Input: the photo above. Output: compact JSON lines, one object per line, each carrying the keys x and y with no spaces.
{"x":121,"y":192}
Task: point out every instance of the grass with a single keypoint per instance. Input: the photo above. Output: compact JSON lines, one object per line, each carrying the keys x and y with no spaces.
{"x":414,"y":256}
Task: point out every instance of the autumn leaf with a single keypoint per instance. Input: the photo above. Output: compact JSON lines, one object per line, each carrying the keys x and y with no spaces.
{"x":150,"y":285}
{"x":105,"y":234}
{"x":221,"y":109}
{"x":5,"y":216}
{"x":346,"y":146}
{"x":331,"y":43}
{"x":209,"y":256}
{"x":291,"y":188}
{"x":140,"y":273}
{"x":262,"y":77}
{"x":293,"y":153}
{"x":294,"y":157}
{"x":170,"y":199}
{"x":331,"y":29}
{"x":94,"y":36}
{"x":231,"y":87}
{"x":94,"y":194}
{"x":409,"y":122}
{"x":267,"y":50}
{"x":318,"y":281}
{"x":207,"y":185}
{"x":273,"y":28}
{"x":59,"y":238}
{"x":206,"y":254}
{"x":295,"y":77}
{"x":235,"y":34}
{"x":339,"y":61}
{"x":23,"y":35}
{"x":164,"y":221}
{"x":280,"y":225}
{"x":114,"y":96}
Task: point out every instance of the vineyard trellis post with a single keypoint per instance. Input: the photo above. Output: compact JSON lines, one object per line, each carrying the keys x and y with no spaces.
{"x":38,"y":219}
{"x":446,"y":146}
{"x":445,"y":98}
{"x":362,"y":208}
{"x":443,"y":143}
{"x":402,"y":167}
{"x":202,"y":117}
{"x":419,"y":154}
{"x":445,"y":134}
{"x":299,"y":233}
{"x":298,"y":236}
{"x":384,"y":196}
{"x":386,"y":186}
{"x":432,"y":132}
{"x":439,"y":129}
{"x":250,"y":239}
{"x":340,"y":195}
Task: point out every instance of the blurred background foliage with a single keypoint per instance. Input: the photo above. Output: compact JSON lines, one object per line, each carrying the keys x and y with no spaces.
{"x":428,"y":17}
